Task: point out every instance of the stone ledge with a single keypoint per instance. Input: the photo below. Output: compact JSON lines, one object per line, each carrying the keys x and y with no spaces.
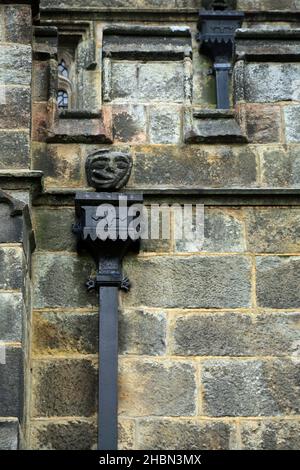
{"x":277,"y":44}
{"x":146,"y":42}
{"x":207,"y":196}
{"x":274,"y":33}
{"x":21,"y":179}
{"x":45,"y":41}
{"x":212,"y":126}
{"x":138,"y":30}
{"x":82,"y":127}
{"x":164,"y":5}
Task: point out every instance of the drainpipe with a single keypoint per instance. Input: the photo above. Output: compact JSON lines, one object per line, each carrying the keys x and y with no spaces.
{"x":217,"y":37}
{"x":108,"y":254}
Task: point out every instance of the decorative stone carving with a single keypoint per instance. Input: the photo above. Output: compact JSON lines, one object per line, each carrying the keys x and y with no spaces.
{"x":107,"y":170}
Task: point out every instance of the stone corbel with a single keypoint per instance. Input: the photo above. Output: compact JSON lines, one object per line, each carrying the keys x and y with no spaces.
{"x":279,"y":44}
{"x":82,"y":127}
{"x":211,"y":126}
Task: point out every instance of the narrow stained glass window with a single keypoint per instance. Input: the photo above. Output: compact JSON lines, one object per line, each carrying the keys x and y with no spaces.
{"x":62,"y":99}
{"x":62,"y":69}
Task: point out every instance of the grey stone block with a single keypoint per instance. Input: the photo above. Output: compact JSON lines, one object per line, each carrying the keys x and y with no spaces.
{"x":250,"y":387}
{"x":195,"y":282}
{"x":142,"y":332}
{"x":11,"y":383}
{"x":278,"y":282}
{"x":18,"y":23}
{"x":123,"y":81}
{"x":129,"y":123}
{"x":155,"y":246}
{"x":273,"y":230}
{"x":167,"y":434}
{"x":11,"y":268}
{"x":234,"y":334}
{"x":11,"y":317}
{"x":14,"y":150}
{"x":223,"y":232}
{"x":148,"y":81}
{"x":15,"y":111}
{"x":200,"y":167}
{"x":86,"y":54}
{"x":292,"y":125}
{"x":164,"y":125}
{"x":53,"y":228}
{"x":158,"y":245}
{"x":262,"y":122}
{"x":157,"y":388}
{"x":281,"y":167}
{"x":70,"y":434}
{"x":269,"y":82}
{"x":61,"y":164}
{"x":60,"y":281}
{"x":159,"y":81}
{"x":9,"y":435}
{"x":40,"y":80}
{"x":270,"y":434}
{"x":64,"y":387}
{"x":67,"y":333}
{"x":15,"y":64}
{"x":11,"y":228}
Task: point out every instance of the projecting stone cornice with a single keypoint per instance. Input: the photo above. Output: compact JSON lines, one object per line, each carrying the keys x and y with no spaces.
{"x":30,"y":180}
{"x":207,"y":196}
{"x":276,"y":44}
{"x":169,"y":10}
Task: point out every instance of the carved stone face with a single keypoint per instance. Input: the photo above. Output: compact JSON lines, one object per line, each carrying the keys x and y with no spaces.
{"x":108,"y":170}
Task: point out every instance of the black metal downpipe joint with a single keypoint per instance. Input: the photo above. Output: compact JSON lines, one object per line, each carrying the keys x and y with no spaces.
{"x":107,"y":170}
{"x":108,"y":255}
{"x":217,"y":38}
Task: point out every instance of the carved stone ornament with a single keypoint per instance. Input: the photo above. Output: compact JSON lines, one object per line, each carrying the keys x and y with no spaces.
{"x":219,"y":4}
{"x":107,"y":170}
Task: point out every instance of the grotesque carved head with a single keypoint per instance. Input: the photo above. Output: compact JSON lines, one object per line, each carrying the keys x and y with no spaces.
{"x":108,"y":170}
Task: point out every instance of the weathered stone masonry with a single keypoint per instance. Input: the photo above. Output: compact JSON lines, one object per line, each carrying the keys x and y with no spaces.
{"x":209,"y":340}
